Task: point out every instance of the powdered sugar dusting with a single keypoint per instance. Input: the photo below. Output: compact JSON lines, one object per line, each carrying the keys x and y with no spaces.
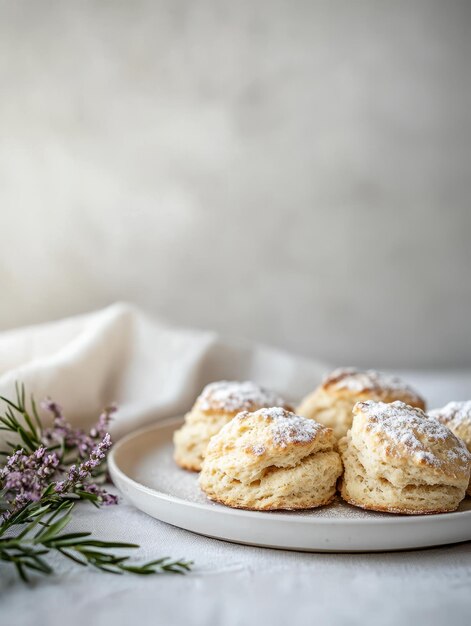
{"x":286,"y":427}
{"x":258,"y":450}
{"x":409,"y":428}
{"x":369,"y":380}
{"x":233,"y":396}
{"x":458,"y":412}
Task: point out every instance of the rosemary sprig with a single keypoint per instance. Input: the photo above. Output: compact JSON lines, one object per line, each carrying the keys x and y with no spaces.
{"x":27,"y":550}
{"x":45,"y":474}
{"x":29,"y":429}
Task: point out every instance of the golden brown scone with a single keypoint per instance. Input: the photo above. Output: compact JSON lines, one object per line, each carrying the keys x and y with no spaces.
{"x":271,"y":459}
{"x":399,"y":460}
{"x":457,"y":417}
{"x":218,"y":403}
{"x":332,"y":402}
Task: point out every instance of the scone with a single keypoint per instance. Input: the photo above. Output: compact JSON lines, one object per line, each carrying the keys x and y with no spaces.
{"x":457,"y":417}
{"x":218,"y":403}
{"x":399,"y":460}
{"x":332,"y":402}
{"x":271,"y":459}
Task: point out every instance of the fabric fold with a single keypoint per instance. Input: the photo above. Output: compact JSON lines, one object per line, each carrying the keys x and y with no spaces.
{"x":151,"y":370}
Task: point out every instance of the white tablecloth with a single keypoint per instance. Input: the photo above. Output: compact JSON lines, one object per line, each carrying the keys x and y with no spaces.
{"x":154,"y":371}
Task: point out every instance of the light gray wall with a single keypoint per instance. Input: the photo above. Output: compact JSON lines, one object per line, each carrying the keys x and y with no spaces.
{"x":293,"y":172}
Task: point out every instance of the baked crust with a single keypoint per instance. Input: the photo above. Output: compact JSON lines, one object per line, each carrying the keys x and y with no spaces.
{"x":398,"y":460}
{"x":332,"y":402}
{"x":270,"y":460}
{"x":279,"y":507}
{"x":218,"y":403}
{"x":393,"y":510}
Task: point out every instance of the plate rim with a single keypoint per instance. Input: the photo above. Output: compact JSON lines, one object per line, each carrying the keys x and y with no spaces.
{"x":274,"y":516}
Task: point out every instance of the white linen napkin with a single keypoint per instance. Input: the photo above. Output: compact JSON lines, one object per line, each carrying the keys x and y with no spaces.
{"x":149,"y":369}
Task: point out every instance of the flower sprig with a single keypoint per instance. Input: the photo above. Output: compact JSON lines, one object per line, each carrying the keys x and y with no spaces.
{"x":46,"y":472}
{"x":70,"y":459}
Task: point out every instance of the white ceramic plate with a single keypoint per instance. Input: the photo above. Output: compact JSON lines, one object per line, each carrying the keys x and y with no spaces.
{"x":141,"y":465}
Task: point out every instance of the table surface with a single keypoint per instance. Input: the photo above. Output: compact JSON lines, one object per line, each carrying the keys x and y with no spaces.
{"x":237,"y":585}
{"x":234,"y":584}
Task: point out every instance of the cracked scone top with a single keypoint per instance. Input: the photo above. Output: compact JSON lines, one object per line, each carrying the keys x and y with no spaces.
{"x":332,"y":402}
{"x":251,"y":442}
{"x":350,"y":379}
{"x":271,"y":459}
{"x":217,"y":404}
{"x":398,"y":459}
{"x":403,"y":433}
{"x":233,"y":397}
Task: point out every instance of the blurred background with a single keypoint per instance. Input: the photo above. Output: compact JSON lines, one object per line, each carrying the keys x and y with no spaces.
{"x":297,"y":173}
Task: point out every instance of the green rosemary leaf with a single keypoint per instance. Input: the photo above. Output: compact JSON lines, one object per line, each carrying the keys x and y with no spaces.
{"x":70,"y":539}
{"x":177,"y":568}
{"x":8,"y":425}
{"x":30,"y":424}
{"x":26,"y":438}
{"x":12,"y":445}
{"x":71,"y":536}
{"x":109,"y":570}
{"x":86,"y":495}
{"x":136,"y":569}
{"x":10,"y":403}
{"x":63,"y":507}
{"x":67,"y":554}
{"x":156,"y":562}
{"x":21,"y":572}
{"x":37,"y":564}
{"x":107,"y":544}
{"x":53,"y":529}
{"x":48,"y":491}
{"x":35,"y":414}
{"x":22,"y":394}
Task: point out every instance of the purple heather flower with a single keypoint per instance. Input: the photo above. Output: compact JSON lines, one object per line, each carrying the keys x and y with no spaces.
{"x":53,"y":408}
{"x":76,"y":437}
{"x":107,"y":498}
{"x":80,"y":473}
{"x":104,"y":420}
{"x":25,"y":476}
{"x":61,"y":486}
